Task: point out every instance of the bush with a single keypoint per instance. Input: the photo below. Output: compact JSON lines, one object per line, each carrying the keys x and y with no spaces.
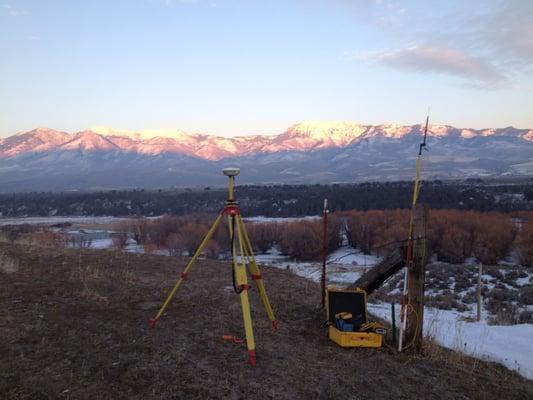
{"x":175,"y":244}
{"x":301,"y":240}
{"x":376,"y":230}
{"x":158,"y":230}
{"x":334,"y":233}
{"x":139,"y":230}
{"x":493,"y":237}
{"x":120,"y":235}
{"x":526,"y":295}
{"x":450,"y":235}
{"x":48,"y":239}
{"x":524,"y":243}
{"x":526,"y":317}
{"x":193,"y":234}
{"x":262,"y":235}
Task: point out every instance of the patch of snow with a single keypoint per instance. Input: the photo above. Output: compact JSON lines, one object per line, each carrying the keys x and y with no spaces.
{"x":59,"y":220}
{"x":262,"y":219}
{"x":509,"y":345}
{"x":102,"y":244}
{"x":526,"y":280}
{"x":349,"y":255}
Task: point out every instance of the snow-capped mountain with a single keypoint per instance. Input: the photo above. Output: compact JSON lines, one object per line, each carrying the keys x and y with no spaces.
{"x":306,"y":152}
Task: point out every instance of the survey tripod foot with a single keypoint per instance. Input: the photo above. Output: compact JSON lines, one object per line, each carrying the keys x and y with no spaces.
{"x":251,"y":357}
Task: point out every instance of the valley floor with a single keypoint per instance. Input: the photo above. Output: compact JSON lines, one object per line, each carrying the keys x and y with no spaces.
{"x":74,"y":325}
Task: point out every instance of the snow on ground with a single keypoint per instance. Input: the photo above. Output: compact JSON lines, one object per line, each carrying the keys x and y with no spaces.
{"x":59,"y":220}
{"x":526,"y":280}
{"x":344,"y":265}
{"x":102,"y":244}
{"x":261,"y":219}
{"x":510,"y":345}
{"x":349,"y":255}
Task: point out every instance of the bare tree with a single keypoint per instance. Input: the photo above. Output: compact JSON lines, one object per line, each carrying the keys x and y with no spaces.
{"x":175,"y":244}
{"x":120,"y":235}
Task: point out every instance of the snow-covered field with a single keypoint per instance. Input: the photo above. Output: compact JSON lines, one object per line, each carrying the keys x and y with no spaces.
{"x":280,"y":219}
{"x":59,"y":220}
{"x":510,"y":345}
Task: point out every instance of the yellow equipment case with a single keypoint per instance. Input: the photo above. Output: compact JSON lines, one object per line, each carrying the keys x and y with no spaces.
{"x":347,"y":319}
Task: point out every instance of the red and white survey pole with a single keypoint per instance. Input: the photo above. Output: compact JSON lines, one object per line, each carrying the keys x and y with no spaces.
{"x":324,"y":252}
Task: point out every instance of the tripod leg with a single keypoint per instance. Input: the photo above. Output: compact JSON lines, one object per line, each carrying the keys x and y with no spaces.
{"x":247,"y":318}
{"x":256,"y":273}
{"x":185,"y":272}
{"x":242,"y":283}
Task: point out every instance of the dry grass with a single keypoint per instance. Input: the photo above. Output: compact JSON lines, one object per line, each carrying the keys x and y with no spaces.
{"x":92,"y":295}
{"x":74,"y":325}
{"x":8,"y":265}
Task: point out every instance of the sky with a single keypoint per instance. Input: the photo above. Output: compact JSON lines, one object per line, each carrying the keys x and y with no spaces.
{"x":257,"y":67}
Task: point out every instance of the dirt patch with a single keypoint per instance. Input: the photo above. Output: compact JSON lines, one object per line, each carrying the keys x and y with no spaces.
{"x":74,"y":325}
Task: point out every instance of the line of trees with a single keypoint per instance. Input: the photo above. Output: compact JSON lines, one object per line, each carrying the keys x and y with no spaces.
{"x":275,"y":200}
{"x":452,"y":235}
{"x":182,"y":235}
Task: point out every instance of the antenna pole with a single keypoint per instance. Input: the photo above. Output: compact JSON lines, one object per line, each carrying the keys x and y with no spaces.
{"x":409,"y":257}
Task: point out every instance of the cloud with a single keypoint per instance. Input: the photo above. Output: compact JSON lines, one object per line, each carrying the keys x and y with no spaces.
{"x":11,"y":11}
{"x":509,"y":31}
{"x":174,"y":2}
{"x":440,"y":60}
{"x":486,"y":44}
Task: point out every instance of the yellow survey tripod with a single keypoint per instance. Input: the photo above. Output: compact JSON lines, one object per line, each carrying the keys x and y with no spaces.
{"x":239,"y":262}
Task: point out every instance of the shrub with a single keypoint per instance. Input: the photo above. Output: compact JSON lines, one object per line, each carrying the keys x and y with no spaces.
{"x":193,"y":234}
{"x":48,"y":239}
{"x":524,"y":243}
{"x":175,"y":244}
{"x":120,"y":235}
{"x":139,"y":230}
{"x":526,"y":295}
{"x":262,"y":235}
{"x":334,"y":233}
{"x":494,"y":234}
{"x":301,"y":240}
{"x":376,"y":231}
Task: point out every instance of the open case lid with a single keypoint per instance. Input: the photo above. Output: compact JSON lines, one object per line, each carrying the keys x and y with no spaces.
{"x":352,"y":301}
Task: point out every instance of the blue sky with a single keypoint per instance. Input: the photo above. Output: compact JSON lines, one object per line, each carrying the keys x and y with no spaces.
{"x":249,"y":67}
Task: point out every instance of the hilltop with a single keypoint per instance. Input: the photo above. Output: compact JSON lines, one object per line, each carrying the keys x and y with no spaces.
{"x":75,"y":326}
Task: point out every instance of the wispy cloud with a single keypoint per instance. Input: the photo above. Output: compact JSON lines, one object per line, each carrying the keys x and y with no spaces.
{"x":439,"y":60}
{"x":172,"y":2}
{"x":12,"y":11}
{"x":488,"y":45}
{"x":510,"y":33}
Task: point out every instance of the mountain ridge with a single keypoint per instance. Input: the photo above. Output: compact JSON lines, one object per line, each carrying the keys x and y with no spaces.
{"x":304,"y":136}
{"x":306,"y":153}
